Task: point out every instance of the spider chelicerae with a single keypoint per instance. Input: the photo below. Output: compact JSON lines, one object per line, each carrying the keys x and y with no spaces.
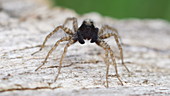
{"x":86,"y":31}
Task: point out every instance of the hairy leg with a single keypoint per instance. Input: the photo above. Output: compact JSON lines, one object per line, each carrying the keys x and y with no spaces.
{"x":106,"y":60}
{"x":107,"y":35}
{"x":63,"y":55}
{"x":106,"y":47}
{"x":115,"y":65}
{"x":107,"y":67}
{"x":75,"y":24}
{"x":66,"y":30}
{"x":52,"y":49}
{"x":105,"y":27}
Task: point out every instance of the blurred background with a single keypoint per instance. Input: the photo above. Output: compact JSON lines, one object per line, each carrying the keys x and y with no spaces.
{"x":121,"y":9}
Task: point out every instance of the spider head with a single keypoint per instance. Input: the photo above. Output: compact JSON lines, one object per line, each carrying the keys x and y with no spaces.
{"x":88,"y":23}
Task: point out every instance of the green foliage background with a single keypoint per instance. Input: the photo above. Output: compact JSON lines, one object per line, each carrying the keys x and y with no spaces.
{"x":120,"y":8}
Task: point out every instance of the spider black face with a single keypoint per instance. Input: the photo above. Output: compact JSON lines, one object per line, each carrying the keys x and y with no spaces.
{"x":87,"y":31}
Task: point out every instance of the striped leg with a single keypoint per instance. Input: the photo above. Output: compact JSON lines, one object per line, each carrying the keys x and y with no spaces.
{"x":67,"y":30}
{"x":63,"y":55}
{"x":101,"y":31}
{"x":115,"y":65}
{"x":106,"y":60}
{"x":75,"y":24}
{"x":107,"y":35}
{"x":53,"y":48}
{"x":106,"y":47}
{"x":107,"y":67}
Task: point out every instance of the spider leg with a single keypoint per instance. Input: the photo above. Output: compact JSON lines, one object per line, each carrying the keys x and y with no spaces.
{"x":106,"y":47}
{"x":53,"y":48}
{"x":101,"y":31}
{"x":106,"y":60}
{"x":63,"y":55}
{"x":117,"y":39}
{"x":115,"y":65}
{"x":107,"y":67}
{"x":66,"y":30}
{"x":75,"y":24}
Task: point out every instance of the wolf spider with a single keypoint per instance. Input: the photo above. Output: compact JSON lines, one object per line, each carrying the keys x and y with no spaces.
{"x":86,"y":31}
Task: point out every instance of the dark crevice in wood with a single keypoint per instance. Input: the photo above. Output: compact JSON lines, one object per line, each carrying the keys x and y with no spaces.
{"x":22,"y":89}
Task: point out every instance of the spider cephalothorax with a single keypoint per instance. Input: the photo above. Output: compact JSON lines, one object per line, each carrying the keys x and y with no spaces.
{"x":87,"y":31}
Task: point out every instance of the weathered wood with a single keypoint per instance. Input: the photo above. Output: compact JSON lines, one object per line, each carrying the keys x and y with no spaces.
{"x":146,"y":53}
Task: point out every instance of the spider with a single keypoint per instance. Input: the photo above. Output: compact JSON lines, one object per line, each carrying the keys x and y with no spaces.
{"x":87,"y":31}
